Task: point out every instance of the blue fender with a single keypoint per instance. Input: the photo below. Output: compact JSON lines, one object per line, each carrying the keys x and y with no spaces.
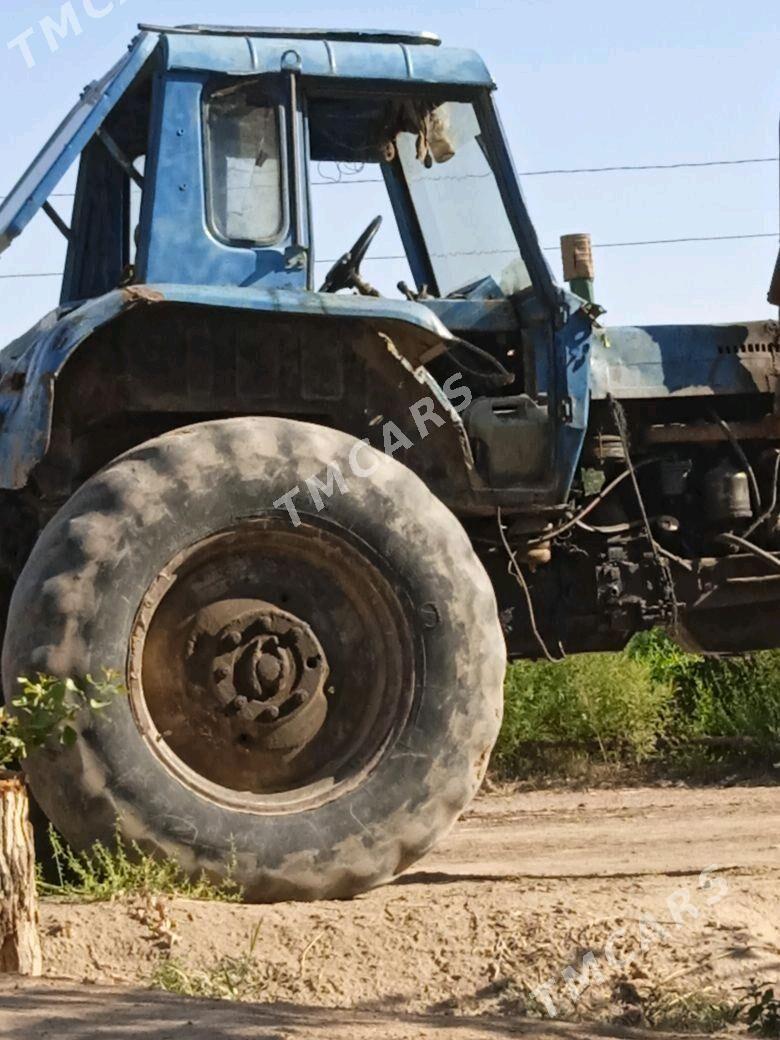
{"x":29,"y":366}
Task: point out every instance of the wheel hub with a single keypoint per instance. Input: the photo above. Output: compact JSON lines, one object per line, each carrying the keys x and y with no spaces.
{"x":263,"y":665}
{"x":236,"y":630}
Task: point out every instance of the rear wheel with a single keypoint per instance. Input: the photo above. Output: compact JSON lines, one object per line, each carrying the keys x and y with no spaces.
{"x":309,"y":707}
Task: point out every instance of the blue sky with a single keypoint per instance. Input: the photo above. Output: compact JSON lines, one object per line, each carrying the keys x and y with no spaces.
{"x":580,"y":85}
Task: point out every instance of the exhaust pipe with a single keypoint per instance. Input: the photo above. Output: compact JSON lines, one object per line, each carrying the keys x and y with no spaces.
{"x":578,"y":267}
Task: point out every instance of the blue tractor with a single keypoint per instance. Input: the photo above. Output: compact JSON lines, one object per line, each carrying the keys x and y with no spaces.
{"x":307,"y":522}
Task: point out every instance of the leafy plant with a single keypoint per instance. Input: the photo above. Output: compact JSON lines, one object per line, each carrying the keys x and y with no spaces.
{"x":46,"y":708}
{"x":101,"y":873}
{"x":733,"y":697}
{"x":761,"y":1009}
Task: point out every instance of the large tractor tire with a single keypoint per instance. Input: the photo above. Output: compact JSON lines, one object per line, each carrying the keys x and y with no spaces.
{"x":309,"y":707}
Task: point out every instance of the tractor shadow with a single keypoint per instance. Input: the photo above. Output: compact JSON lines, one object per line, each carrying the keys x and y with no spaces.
{"x":72,"y":1011}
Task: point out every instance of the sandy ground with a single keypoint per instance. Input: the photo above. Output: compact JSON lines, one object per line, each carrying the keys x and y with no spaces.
{"x":670,"y":895}
{"x":54,"y":1011}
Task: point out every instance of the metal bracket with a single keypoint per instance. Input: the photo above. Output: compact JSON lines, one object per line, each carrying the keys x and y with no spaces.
{"x":119,"y":156}
{"x":57,"y":221}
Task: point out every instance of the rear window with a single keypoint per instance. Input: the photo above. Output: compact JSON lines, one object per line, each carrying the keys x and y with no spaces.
{"x":244,"y":182}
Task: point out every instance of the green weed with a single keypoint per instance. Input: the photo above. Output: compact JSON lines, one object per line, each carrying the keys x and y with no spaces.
{"x":101,"y":873}
{"x":230,"y":978}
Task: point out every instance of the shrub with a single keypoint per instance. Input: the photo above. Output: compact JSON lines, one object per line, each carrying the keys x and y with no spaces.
{"x":717,"y":697}
{"x":655,"y":700}
{"x":607,"y":703}
{"x":46,"y":708}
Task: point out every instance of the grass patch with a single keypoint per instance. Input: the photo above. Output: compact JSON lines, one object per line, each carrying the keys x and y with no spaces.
{"x":599,"y":707}
{"x":734,"y":697}
{"x":101,"y":874}
{"x":231,"y":978}
{"x":651,"y":711}
{"x":240,"y":978}
{"x":696,"y":1012}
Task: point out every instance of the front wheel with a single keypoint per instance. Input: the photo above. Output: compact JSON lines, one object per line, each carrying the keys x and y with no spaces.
{"x":310,"y":705}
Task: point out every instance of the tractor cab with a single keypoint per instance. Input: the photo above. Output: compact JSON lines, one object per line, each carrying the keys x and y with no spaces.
{"x":285,"y":159}
{"x":359,"y":175}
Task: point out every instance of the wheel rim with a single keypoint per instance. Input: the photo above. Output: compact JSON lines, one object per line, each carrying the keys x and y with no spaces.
{"x":270,"y":668}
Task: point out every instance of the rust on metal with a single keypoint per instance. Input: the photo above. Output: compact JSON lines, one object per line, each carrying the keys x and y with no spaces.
{"x":767,"y":428}
{"x":265,"y":666}
{"x":141,"y":294}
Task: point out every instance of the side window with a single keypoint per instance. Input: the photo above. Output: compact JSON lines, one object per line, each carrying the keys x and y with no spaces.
{"x":244,"y":167}
{"x":136,"y":200}
{"x":106,"y":208}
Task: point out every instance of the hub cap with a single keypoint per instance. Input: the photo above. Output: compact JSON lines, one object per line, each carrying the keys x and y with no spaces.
{"x":263,"y":665}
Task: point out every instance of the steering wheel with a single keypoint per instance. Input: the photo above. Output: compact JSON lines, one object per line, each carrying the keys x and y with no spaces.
{"x":345,"y":273}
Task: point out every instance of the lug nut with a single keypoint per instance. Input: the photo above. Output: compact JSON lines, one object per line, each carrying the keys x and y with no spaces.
{"x":298,"y":698}
{"x":220,"y":674}
{"x":271,"y":714}
{"x":232,"y":639}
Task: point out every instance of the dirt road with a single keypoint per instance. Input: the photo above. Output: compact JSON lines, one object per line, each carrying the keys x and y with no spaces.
{"x":668,"y":897}
{"x":612,"y":833}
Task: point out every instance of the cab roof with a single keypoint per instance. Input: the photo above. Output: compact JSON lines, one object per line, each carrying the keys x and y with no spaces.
{"x":367,"y":54}
{"x":270,"y":32}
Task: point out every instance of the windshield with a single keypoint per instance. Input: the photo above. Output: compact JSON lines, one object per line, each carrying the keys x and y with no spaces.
{"x":458,"y":203}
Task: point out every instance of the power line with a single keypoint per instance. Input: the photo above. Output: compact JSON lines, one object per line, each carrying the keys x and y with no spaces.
{"x":653,"y":166}
{"x":54,"y":195}
{"x":35,"y":274}
{"x":347,"y":178}
{"x":500,"y":252}
{"x":596,"y":245}
{"x":676,"y":241}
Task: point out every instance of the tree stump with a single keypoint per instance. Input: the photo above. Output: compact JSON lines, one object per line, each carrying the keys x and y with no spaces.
{"x":20,"y":948}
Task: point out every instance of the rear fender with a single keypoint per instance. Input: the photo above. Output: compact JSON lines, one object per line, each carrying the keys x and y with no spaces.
{"x":31,"y":366}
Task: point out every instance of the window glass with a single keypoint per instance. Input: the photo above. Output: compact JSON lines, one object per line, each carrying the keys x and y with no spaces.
{"x":244,"y":167}
{"x":345,"y":199}
{"x":458,"y":203}
{"x":136,"y":199}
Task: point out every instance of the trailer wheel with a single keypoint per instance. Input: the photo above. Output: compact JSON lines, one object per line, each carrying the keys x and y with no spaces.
{"x":309,"y":706}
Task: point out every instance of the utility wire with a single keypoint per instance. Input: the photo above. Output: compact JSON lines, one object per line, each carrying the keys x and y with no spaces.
{"x":676,"y":241}
{"x":54,"y":195}
{"x":346,"y":178}
{"x":653,"y":166}
{"x":34,"y":274}
{"x":596,"y":245}
{"x":498,"y":252}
